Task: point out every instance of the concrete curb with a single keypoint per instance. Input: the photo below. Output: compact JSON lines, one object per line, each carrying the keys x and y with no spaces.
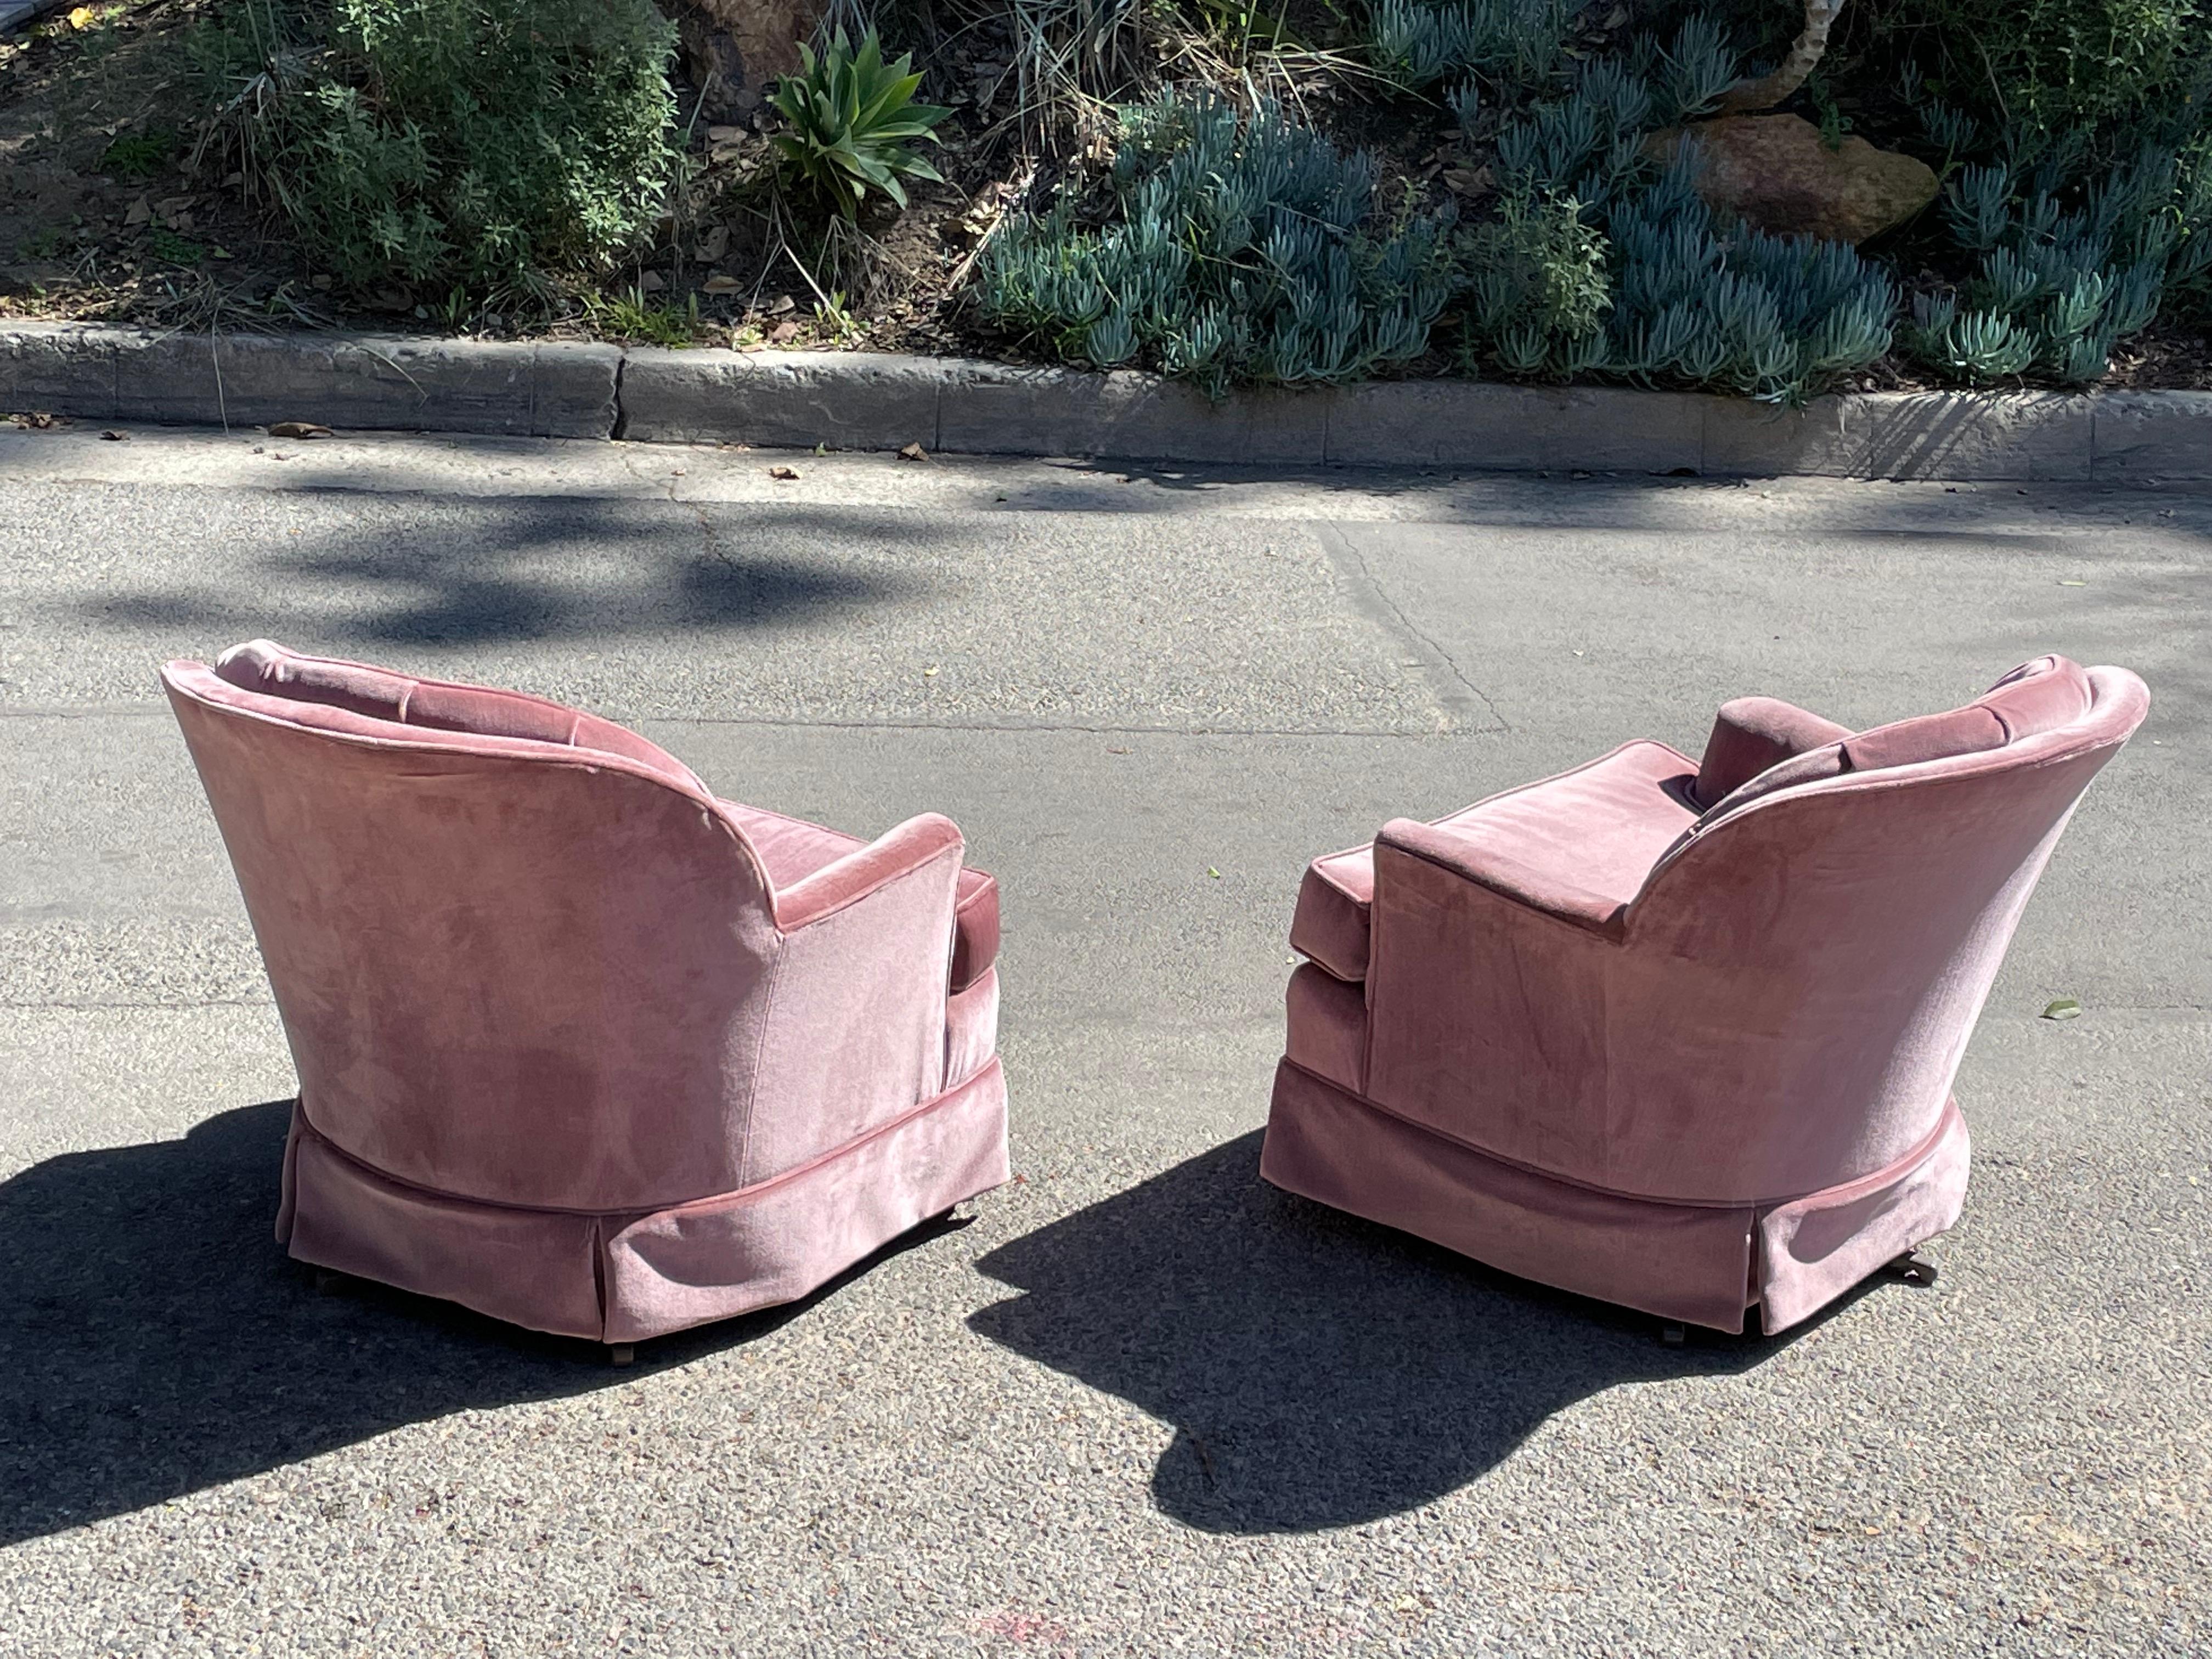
{"x":863,"y":400}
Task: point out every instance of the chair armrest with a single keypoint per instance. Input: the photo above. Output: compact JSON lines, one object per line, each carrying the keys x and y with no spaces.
{"x":844,"y":881}
{"x":1502,"y":872}
{"x":1749,"y":735}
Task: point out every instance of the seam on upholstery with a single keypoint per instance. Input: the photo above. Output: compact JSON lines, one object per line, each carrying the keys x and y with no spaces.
{"x":1869,"y":1182}
{"x":632,"y":1211}
{"x":406,"y":697}
{"x":1613,"y":930}
{"x":799,"y":1171}
{"x":760,"y":1054}
{"x":1876,"y":1180}
{"x":871,"y":890}
{"x":517,"y":750}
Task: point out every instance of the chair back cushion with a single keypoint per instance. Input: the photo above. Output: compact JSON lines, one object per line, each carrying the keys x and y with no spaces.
{"x":1826,"y":947}
{"x":441,"y":705}
{"x":489,"y":889}
{"x":2037,"y":698}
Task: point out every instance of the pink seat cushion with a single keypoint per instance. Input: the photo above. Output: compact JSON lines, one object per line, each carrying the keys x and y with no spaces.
{"x":1582,"y":839}
{"x":1330,"y":926}
{"x":791,"y":849}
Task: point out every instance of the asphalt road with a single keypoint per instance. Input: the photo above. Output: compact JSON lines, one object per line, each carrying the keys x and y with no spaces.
{"x":1142,"y":1404}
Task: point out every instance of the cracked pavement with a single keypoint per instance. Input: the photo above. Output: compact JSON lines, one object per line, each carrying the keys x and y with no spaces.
{"x":1141,"y":1404}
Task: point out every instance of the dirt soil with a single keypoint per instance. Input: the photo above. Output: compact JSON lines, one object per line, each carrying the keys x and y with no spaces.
{"x":109,"y":213}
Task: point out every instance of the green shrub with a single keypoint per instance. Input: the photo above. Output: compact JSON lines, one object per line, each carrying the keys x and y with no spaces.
{"x":1538,"y":287}
{"x":848,"y":117}
{"x":138,"y":155}
{"x":2051,"y":64}
{"x":1234,"y":250}
{"x":480,"y":144}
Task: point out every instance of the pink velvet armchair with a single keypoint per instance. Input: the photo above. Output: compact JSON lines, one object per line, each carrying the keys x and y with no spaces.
{"x":580,"y":1046}
{"x":1681,"y":1034}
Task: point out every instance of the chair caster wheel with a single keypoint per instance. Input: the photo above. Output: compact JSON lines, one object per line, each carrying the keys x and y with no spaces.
{"x":1673,"y":1335}
{"x":328,"y":1282}
{"x":1913,"y":1268}
{"x":621,"y":1353}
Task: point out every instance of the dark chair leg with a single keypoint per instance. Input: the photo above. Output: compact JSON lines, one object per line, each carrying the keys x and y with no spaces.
{"x":1672,"y":1334}
{"x":1912,"y":1268}
{"x":621,"y":1353}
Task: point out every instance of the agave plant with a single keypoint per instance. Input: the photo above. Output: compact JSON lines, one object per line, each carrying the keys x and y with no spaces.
{"x":849,"y":116}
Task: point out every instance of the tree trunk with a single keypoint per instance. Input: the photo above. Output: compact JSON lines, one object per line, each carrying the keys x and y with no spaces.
{"x":734,"y":49}
{"x":1767,"y":90}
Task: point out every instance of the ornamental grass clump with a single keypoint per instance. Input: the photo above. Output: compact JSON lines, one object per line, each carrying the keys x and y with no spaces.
{"x":1416,"y":44}
{"x":479,"y":145}
{"x":1231,"y":248}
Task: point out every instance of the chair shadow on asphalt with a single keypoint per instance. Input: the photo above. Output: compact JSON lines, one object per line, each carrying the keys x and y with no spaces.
{"x":162,"y":1342}
{"x":1319,"y":1370}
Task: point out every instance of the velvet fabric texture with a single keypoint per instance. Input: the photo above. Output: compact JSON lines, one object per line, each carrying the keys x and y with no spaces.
{"x":1591,"y":1028}
{"x":579,"y":1045}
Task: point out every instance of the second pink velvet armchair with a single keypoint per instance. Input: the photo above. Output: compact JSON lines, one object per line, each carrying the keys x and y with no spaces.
{"x":1680,"y":1035}
{"x":579,"y":1045}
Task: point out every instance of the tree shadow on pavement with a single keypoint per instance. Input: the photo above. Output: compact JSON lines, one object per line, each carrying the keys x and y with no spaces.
{"x":510,"y":571}
{"x":1319,"y":1370}
{"x":162,"y":1341}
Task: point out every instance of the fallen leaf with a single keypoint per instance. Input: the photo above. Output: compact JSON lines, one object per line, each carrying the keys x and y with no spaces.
{"x":2063,"y":1008}
{"x":82,"y":17}
{"x":35,"y":421}
{"x":1116,"y":751}
{"x":929,"y":672}
{"x":724,"y":135}
{"x":781,"y":303}
{"x":913,"y":453}
{"x":712,"y":245}
{"x":1215,"y":874}
{"x":115,"y":437}
{"x":1467,"y":182}
{"x":298,"y":429}
{"x":786,"y":330}
{"x":651,"y":281}
{"x":2063,"y":583}
{"x":720,"y":282}
{"x":784,"y":472}
{"x":138,"y":212}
